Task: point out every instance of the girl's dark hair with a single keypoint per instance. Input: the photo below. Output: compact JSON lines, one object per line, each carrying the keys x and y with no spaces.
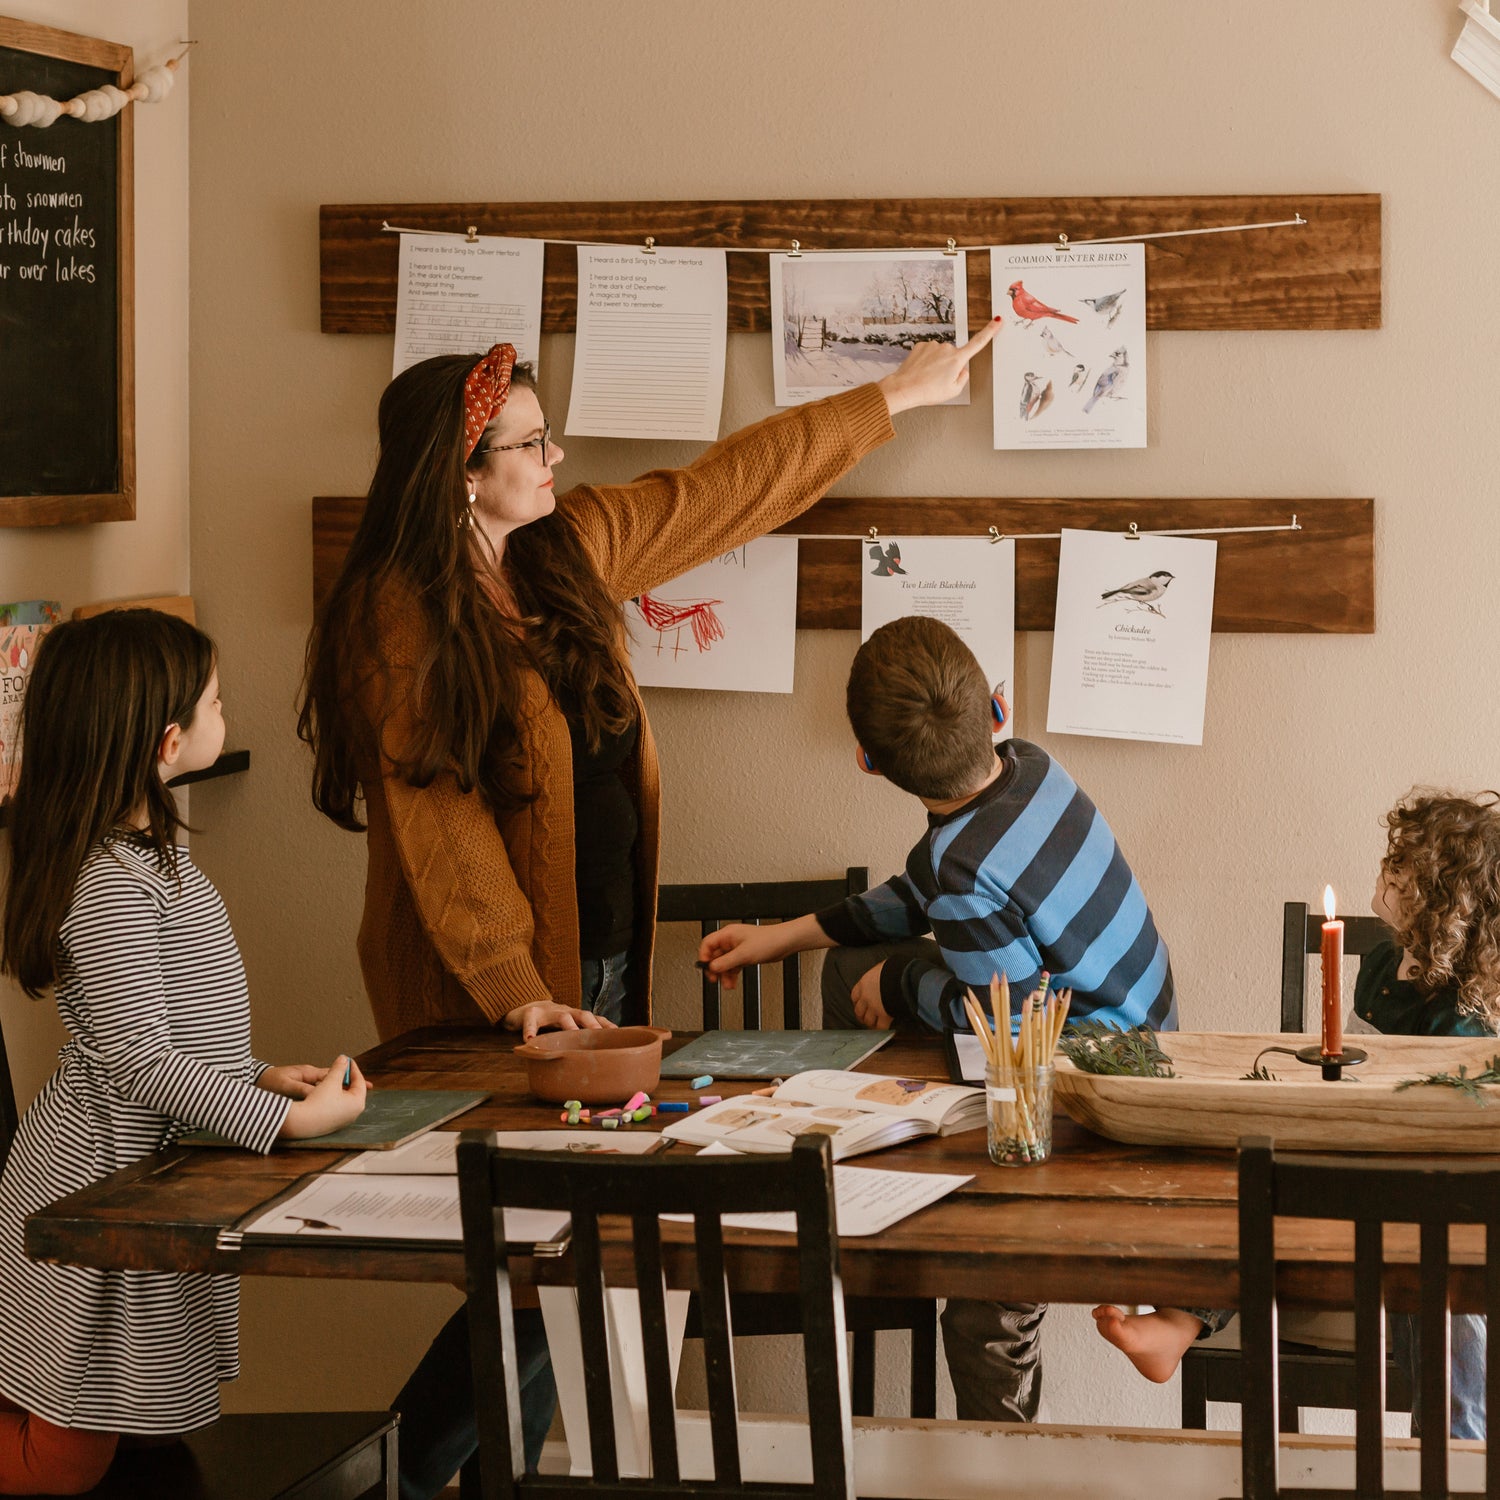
{"x":1443,"y":856}
{"x":100,"y":696}
{"x":412,"y":551}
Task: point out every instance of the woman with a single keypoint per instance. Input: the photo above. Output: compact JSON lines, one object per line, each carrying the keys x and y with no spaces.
{"x":468,"y":681}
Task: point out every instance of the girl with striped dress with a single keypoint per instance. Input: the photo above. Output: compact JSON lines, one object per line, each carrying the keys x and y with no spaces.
{"x":103,"y":905}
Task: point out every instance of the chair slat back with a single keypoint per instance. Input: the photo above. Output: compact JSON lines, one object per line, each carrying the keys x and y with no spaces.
{"x":712,"y":905}
{"x":643,"y":1188}
{"x":1302,"y":934}
{"x":1370,"y":1195}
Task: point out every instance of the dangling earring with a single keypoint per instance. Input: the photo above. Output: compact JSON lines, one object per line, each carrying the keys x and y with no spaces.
{"x":467,"y":518}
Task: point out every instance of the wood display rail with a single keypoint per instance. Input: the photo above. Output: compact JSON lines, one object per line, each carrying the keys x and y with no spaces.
{"x":1325,"y":274}
{"x":1319,"y":580}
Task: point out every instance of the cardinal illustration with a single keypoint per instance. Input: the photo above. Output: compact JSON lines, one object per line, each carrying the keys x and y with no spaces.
{"x":1080,"y":374}
{"x":1108,"y":307}
{"x":1144,"y":591}
{"x":887,"y":560}
{"x":1029,"y":308}
{"x":1111,"y":382}
{"x":1036,"y":395}
{"x":1051,"y":345}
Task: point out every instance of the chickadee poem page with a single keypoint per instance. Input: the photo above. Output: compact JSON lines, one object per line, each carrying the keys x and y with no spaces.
{"x":1070,"y":361}
{"x":1130,"y":652}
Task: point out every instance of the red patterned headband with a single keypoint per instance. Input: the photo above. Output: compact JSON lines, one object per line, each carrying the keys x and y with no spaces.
{"x":486,"y":389}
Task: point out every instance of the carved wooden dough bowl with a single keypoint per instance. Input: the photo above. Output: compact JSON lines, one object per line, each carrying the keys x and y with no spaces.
{"x":1210,"y":1103}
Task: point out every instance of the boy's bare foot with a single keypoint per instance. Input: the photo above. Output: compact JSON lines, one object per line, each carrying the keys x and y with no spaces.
{"x":1153,"y":1342}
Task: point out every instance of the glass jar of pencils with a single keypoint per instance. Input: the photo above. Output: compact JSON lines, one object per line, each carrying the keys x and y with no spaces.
{"x":1018,"y":1109}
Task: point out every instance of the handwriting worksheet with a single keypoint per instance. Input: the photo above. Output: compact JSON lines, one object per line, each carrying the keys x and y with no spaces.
{"x":649,"y":358}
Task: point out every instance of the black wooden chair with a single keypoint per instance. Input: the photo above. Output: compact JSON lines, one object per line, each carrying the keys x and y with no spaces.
{"x":1370,"y":1194}
{"x":711,"y":906}
{"x":248,"y":1455}
{"x":1310,"y":1375}
{"x":491,"y":1179}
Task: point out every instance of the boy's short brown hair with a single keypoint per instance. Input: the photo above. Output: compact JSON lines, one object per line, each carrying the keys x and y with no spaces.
{"x":920,"y":706}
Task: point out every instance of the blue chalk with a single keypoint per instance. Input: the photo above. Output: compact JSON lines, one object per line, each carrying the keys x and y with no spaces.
{"x":703,"y":1082}
{"x":674,"y":1109}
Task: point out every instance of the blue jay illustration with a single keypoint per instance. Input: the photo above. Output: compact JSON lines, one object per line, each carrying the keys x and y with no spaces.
{"x":1111,"y":382}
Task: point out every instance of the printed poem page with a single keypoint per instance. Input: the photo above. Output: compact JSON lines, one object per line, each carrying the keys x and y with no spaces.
{"x":457,"y":297}
{"x":649,"y":360}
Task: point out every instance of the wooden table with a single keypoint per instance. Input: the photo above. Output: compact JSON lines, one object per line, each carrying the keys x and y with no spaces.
{"x":1099,"y":1222}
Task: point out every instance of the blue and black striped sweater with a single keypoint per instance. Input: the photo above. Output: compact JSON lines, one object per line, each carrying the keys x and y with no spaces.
{"x":1026,"y":877}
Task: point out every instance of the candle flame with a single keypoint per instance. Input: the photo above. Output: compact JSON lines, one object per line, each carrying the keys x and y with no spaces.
{"x":1328,"y":906}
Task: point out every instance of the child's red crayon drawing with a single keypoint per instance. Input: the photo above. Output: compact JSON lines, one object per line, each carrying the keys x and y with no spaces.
{"x":666,"y":616}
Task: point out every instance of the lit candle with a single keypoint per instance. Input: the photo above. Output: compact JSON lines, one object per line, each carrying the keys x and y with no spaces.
{"x":1333,"y":979}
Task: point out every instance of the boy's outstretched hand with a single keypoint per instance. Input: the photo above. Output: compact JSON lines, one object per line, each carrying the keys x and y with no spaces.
{"x":866,"y":998}
{"x":722,"y":954}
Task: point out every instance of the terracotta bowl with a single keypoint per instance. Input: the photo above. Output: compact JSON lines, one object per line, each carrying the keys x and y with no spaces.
{"x":596,"y":1066}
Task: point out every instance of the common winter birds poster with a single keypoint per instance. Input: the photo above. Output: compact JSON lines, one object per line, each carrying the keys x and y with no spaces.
{"x":1070,"y":361}
{"x":1130,"y":646}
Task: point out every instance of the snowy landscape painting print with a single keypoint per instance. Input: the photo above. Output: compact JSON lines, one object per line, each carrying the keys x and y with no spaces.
{"x":729,"y":624}
{"x":841,"y":319}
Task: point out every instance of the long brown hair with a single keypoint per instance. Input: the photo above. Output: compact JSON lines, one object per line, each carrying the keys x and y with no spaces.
{"x":101,"y":694}
{"x":1443,"y":856}
{"x":412,"y":550}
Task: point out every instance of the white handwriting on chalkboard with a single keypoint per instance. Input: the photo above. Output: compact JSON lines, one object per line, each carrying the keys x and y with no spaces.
{"x":44,"y":236}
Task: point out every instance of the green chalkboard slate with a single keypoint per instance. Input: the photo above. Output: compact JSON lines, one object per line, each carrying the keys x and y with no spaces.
{"x":391,"y":1118}
{"x":771,"y":1054}
{"x":67,"y":357}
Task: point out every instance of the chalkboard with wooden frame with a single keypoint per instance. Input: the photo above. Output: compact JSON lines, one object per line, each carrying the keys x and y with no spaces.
{"x":67,"y":289}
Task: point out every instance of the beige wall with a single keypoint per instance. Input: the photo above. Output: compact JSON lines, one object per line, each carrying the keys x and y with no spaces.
{"x":1307,"y":740}
{"x":149,"y":555}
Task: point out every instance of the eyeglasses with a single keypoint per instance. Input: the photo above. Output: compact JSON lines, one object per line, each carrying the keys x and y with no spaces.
{"x":541,"y":444}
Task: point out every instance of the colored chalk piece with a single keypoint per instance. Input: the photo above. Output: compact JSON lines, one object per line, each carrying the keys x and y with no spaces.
{"x":710,"y":1098}
{"x":572,"y":1103}
{"x":643,"y":1113}
{"x":701,"y":1082}
{"x":611,"y":1122}
{"x":674,"y":1109}
{"x":635,"y":1101}
{"x":604,"y":1114}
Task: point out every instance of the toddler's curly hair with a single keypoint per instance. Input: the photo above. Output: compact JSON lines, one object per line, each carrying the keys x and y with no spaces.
{"x":1443,"y":855}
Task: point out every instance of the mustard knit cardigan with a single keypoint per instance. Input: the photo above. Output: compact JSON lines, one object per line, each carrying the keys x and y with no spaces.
{"x":466,"y":918}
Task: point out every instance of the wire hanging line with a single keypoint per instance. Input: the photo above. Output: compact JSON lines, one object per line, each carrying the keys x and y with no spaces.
{"x":1132,"y":533}
{"x":470,"y":234}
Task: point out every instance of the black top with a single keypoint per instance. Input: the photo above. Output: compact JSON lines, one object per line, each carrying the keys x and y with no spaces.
{"x":1399,"y":1008}
{"x":604,"y":832}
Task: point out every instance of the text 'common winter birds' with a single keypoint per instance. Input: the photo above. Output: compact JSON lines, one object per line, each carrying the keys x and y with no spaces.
{"x":1070,"y":362}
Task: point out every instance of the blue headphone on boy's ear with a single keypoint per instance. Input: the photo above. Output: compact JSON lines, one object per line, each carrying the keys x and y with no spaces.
{"x":997,"y":711}
{"x":865,"y":756}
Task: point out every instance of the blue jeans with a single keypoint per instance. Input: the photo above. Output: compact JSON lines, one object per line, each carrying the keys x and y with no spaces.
{"x":439,"y":1433}
{"x":604,"y":986}
{"x":1467,"y":1339}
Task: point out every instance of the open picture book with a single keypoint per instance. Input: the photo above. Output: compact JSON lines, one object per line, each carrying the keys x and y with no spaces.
{"x":858,"y":1112}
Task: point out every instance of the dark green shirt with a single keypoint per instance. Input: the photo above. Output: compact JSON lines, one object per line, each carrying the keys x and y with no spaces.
{"x":1399,"y":1008}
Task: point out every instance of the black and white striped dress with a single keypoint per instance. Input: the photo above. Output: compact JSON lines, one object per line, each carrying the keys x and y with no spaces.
{"x":152,"y":990}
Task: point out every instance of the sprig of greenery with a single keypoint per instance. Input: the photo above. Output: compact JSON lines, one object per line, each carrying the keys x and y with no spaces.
{"x":1471,"y":1085}
{"x":1094,"y":1047}
{"x":1260,"y":1073}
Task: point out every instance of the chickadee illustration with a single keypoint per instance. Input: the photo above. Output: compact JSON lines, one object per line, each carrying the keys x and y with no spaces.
{"x":1111,"y":382}
{"x":1051,"y":345}
{"x":1108,"y":307}
{"x":1036,"y":395}
{"x":1144,"y":591}
{"x":1080,"y":375}
{"x":887,"y":560}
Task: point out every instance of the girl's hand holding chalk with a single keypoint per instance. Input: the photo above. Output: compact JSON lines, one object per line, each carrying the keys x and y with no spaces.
{"x":330,"y":1105}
